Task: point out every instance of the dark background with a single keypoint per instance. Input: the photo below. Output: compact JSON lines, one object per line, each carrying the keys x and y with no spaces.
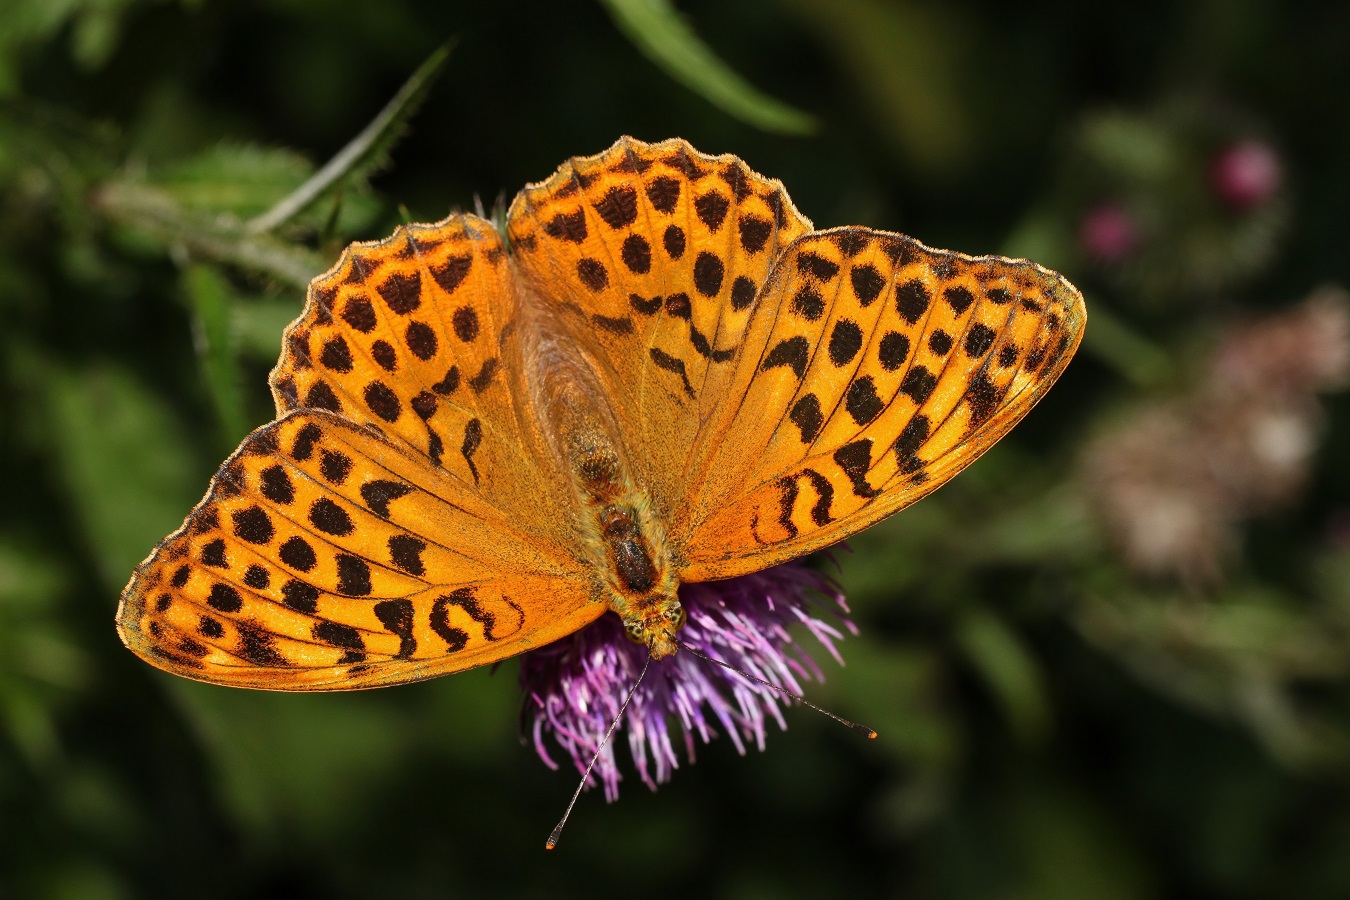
{"x":1111,"y":660}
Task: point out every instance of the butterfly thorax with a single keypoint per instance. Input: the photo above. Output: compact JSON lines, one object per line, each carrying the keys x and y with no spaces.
{"x":618,"y":525}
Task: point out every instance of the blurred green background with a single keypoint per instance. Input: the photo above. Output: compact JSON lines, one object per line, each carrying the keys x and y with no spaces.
{"x":1111,"y":660}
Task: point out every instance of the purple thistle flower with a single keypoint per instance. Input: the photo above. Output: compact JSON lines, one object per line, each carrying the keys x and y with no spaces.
{"x":1246,"y":174}
{"x":574,"y":687}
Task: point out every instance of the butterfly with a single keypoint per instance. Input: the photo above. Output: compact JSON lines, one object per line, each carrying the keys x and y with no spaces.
{"x":657,"y":373}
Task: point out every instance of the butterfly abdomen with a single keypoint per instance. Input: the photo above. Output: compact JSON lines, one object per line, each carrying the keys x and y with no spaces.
{"x":618,"y":524}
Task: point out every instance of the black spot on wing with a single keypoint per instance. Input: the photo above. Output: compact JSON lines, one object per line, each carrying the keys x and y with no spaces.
{"x":300,"y":596}
{"x":855,"y":459}
{"x":378,"y":494}
{"x":334,"y":466}
{"x":862,"y":402}
{"x":637,"y":254}
{"x":330,"y":518}
{"x":708,"y":273}
{"x":353,"y":576}
{"x":644,"y":305}
{"x":360,"y":314}
{"x":305,"y":439}
{"x":473,"y":437}
{"x":979,"y":339}
{"x":592,"y":273}
{"x":754,"y":233}
{"x":451,"y":272}
{"x":663,"y":192}
{"x":401,"y":292}
{"x":397,"y":617}
{"x":298,"y":554}
{"x":867,"y":283}
{"x":421,"y":340}
{"x":567,"y":226}
{"x":793,"y":352}
{"x":344,"y":637}
{"x":405,"y":551}
{"x":918,"y":383}
{"x":383,"y":401}
{"x":276,"y":485}
{"x":321,"y":396}
{"x":907,"y":445}
{"x":674,"y":242}
{"x":464,"y":321}
{"x":455,"y":638}
{"x":253,"y":525}
{"x":705,"y":348}
{"x":958,"y":298}
{"x":742,"y":292}
{"x":618,"y":207}
{"x":255,"y":646}
{"x":480,"y":382}
{"x":213,"y":554}
{"x":984,"y":397}
{"x":711,"y":209}
{"x":336,"y":355}
{"x":808,"y":304}
{"x":806,"y":414}
{"x":225,"y":598}
{"x":893,"y":350}
{"x":424,"y":405}
{"x":817,"y":266}
{"x":911,"y":300}
{"x":613,"y":324}
{"x":672,"y":364}
{"x":940,"y":342}
{"x":845,"y":341}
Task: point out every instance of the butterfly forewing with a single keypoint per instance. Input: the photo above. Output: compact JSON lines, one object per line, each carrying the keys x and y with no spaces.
{"x":873,"y":370}
{"x":414,"y":336}
{"x":653,"y":254}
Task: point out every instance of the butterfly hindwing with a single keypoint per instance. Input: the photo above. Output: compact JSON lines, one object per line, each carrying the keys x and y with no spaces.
{"x":873,"y":370}
{"x":326,"y":557}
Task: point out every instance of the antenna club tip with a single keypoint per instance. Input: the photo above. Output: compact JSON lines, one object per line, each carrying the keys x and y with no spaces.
{"x":550,"y":845}
{"x":871,"y":735}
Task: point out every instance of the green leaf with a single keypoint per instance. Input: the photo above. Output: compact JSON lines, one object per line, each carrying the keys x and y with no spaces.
{"x":1009,"y":670}
{"x":237,"y":179}
{"x":664,"y":38}
{"x":364,"y":153}
{"x":148,"y":213}
{"x":123,"y":461}
{"x":258,"y":324}
{"x":906,"y":62}
{"x":211,"y":301}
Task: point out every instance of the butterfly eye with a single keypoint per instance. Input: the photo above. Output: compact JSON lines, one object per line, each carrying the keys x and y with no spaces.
{"x":634,"y":632}
{"x":677,"y":616}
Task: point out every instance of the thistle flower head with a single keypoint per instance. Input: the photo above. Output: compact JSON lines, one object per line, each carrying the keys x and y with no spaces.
{"x":574,"y":687}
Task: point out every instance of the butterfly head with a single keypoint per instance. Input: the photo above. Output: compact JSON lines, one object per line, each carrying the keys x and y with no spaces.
{"x":655,"y":625}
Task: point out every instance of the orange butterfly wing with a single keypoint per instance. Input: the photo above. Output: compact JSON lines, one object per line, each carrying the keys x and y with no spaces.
{"x":780,"y":389}
{"x":654,"y":254}
{"x":399,"y":521}
{"x":874,"y":369}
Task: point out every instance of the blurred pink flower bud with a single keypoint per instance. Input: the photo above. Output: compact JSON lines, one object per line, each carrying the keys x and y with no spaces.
{"x":1246,"y":174}
{"x":1108,"y":233}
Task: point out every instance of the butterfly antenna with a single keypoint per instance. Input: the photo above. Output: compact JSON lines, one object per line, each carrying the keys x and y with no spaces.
{"x":861,"y":729}
{"x":553,"y":838}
